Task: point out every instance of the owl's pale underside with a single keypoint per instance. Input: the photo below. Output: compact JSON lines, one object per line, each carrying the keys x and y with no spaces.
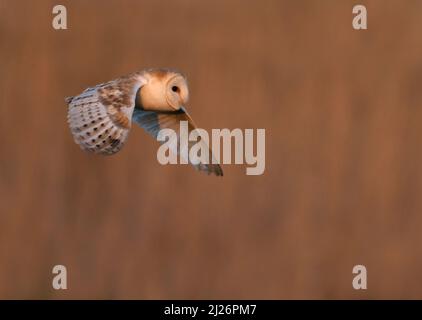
{"x":100,"y":118}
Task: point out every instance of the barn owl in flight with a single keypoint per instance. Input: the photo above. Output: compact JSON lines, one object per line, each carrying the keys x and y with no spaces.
{"x":100,"y":117}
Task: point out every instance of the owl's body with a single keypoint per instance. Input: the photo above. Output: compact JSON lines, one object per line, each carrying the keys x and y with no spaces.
{"x":100,"y":118}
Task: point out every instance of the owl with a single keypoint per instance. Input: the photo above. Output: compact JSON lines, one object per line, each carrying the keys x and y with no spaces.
{"x":101,"y":117}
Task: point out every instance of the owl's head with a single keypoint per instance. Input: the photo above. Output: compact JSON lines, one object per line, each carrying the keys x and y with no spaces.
{"x":164,"y":90}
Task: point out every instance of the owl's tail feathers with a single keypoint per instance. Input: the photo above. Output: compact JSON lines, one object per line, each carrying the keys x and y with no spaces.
{"x":68,"y":99}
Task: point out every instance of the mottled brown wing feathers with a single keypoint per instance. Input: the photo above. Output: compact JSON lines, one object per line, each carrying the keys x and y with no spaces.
{"x":100,"y":117}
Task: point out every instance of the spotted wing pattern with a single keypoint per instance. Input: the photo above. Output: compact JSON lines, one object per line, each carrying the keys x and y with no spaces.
{"x":100,"y":117}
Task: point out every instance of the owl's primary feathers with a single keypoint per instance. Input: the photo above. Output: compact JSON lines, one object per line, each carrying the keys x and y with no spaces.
{"x":100,"y":118}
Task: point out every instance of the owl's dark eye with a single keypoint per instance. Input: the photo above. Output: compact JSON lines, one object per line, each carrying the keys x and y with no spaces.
{"x":175,"y":89}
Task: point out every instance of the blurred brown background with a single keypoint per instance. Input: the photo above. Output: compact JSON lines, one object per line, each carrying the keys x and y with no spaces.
{"x":342,"y":186}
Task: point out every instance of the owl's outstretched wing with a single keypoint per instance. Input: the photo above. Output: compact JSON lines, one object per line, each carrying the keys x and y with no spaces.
{"x":153,"y":122}
{"x":100,"y":117}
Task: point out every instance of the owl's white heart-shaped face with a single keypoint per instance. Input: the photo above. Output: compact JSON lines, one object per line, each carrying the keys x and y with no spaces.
{"x":164,"y":91}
